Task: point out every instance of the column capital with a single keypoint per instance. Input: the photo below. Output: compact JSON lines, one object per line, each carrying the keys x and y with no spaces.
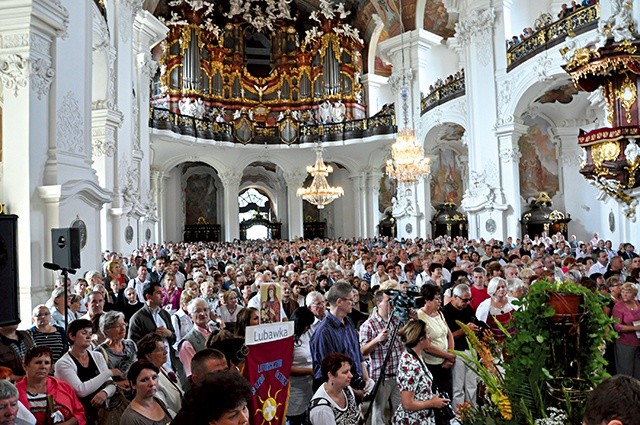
{"x":25,"y":43}
{"x":477,"y":25}
{"x":230,"y":179}
{"x":295,"y":179}
{"x":148,"y":31}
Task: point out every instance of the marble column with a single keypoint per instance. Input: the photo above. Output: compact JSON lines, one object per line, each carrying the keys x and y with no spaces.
{"x":231,"y":183}
{"x":373,"y":195}
{"x":508,"y":136}
{"x":148,"y":31}
{"x":358,"y":209}
{"x":27,"y":68}
{"x":295,"y":219}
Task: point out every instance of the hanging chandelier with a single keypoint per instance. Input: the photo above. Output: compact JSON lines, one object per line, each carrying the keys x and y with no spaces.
{"x":319,"y":192}
{"x":408,"y":163}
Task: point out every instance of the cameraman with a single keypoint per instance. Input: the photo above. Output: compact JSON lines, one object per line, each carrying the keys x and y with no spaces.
{"x":375,"y":342}
{"x":464,"y":380}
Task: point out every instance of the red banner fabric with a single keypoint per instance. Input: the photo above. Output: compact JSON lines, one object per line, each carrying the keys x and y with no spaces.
{"x":268,"y":367}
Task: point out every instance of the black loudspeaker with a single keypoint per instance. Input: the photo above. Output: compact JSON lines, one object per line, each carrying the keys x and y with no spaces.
{"x":9,"y":313}
{"x":65,"y":247}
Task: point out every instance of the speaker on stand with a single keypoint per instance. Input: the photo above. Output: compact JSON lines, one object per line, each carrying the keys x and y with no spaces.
{"x":10,"y":312}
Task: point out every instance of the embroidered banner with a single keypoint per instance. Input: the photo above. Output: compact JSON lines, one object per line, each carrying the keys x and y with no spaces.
{"x":268,"y":367}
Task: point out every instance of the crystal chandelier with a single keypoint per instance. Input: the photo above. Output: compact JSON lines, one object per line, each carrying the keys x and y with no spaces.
{"x":319,"y":192}
{"x":408,"y":163}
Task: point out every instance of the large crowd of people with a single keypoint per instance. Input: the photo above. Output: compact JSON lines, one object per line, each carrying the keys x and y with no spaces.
{"x":138,"y":337}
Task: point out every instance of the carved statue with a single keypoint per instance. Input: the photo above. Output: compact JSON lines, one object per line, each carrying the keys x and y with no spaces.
{"x":185,"y":106}
{"x":404,"y":205}
{"x":198,"y":108}
{"x":338,"y":111}
{"x":325,"y":112}
{"x":631,"y":152}
{"x":623,"y":21}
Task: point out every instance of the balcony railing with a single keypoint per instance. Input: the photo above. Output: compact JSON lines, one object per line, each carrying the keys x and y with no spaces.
{"x":582,"y":20}
{"x":287,"y":131}
{"x":442,"y":95}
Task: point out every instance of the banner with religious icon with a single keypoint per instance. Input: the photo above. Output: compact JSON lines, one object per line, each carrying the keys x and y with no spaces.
{"x":270,"y":305}
{"x":268,"y":368}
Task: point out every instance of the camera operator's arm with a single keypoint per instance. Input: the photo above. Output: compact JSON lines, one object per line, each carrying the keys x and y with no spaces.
{"x":368,"y":347}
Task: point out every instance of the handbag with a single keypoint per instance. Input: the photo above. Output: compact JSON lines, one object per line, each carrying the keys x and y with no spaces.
{"x":113,"y":408}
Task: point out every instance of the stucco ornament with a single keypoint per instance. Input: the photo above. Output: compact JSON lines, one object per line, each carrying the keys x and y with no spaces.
{"x":69,"y":128}
{"x":477,"y":29}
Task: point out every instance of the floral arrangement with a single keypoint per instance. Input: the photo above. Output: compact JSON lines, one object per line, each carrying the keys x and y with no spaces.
{"x":541,"y":374}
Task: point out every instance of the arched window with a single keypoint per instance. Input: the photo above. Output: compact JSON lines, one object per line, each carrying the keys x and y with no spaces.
{"x":255,"y":205}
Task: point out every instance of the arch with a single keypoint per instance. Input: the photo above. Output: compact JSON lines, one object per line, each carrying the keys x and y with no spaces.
{"x":373,"y":44}
{"x":455,"y":112}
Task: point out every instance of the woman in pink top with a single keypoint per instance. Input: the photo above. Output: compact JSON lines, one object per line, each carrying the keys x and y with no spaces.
{"x":627,"y":313}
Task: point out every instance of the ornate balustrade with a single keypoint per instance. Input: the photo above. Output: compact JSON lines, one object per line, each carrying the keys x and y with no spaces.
{"x":442,"y":95}
{"x":582,"y":20}
{"x":287,"y":131}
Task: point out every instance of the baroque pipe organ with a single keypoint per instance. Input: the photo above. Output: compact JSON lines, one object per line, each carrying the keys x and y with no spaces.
{"x":222,"y":63}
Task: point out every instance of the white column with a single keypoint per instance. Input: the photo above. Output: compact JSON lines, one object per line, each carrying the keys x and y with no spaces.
{"x":480,"y":35}
{"x":27,"y":67}
{"x":158,"y":191}
{"x":364,"y":206}
{"x":231,"y":182}
{"x":508,"y":136}
{"x":377,"y":92}
{"x":295,"y":220}
{"x":148,"y":31}
{"x":358,"y":209}
{"x":127,"y":189}
{"x":373,"y":192}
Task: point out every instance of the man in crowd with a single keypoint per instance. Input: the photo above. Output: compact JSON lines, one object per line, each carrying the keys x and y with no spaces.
{"x":616,"y":401}
{"x":152,"y":318}
{"x":337,"y":334}
{"x":600,"y":266}
{"x":139,"y":281}
{"x":376,"y":341}
{"x":317,"y":304}
{"x":478,"y":289}
{"x":158,"y":271}
{"x":464,"y":380}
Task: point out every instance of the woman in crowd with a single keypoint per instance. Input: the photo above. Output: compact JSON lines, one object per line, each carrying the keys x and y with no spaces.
{"x":496,"y":308}
{"x":229,"y":311}
{"x":246,"y":317}
{"x":120,"y":353}
{"x":48,"y":335}
{"x":302,"y":368}
{"x":86,"y":371}
{"x":131,"y":304}
{"x":436,"y":353}
{"x":417,"y":396}
{"x":180,"y":320}
{"x":289,"y":304}
{"x":75,"y":307}
{"x":626,"y":312}
{"x":59,"y":310}
{"x":49,"y":399}
{"x":232,"y":393}
{"x":334,"y":402}
{"x":366,"y":297}
{"x":145,"y":408}
{"x":170,"y":292}
{"x":151,"y":348}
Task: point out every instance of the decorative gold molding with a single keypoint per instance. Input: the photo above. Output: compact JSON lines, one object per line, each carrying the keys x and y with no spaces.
{"x":627,"y":94}
{"x":608,"y":151}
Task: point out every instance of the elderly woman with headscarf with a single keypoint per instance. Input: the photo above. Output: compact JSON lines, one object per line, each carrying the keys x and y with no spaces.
{"x":497,"y":308}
